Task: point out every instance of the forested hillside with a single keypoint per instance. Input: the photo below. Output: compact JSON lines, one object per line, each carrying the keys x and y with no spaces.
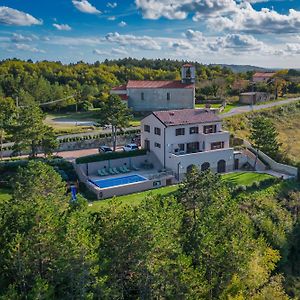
{"x":207,"y":241}
{"x":47,"y":81}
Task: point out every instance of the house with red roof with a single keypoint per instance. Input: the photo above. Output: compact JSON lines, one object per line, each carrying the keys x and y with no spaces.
{"x":154,"y":95}
{"x":263,"y":76}
{"x":184,"y":138}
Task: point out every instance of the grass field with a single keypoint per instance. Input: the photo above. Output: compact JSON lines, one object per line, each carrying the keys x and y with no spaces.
{"x":238,"y":178}
{"x":245,"y":178}
{"x":287,"y":125}
{"x":5,"y":194}
{"x":228,"y":107}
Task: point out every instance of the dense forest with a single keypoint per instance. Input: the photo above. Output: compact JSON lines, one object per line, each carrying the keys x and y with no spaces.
{"x":206,"y":241}
{"x":87,"y":83}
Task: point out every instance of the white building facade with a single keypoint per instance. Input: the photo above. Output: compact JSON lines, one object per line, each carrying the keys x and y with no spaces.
{"x":155,"y":95}
{"x":183,"y":138}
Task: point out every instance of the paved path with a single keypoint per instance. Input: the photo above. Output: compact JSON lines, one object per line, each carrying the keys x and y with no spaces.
{"x":248,"y":108}
{"x":233,"y":112}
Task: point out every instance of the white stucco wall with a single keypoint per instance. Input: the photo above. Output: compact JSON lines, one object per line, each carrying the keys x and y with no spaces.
{"x":156,"y":99}
{"x":171,"y":141}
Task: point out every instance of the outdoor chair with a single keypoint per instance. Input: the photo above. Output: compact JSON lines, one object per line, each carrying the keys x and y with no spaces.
{"x":126,"y":169}
{"x":111,"y":171}
{"x":115,"y":170}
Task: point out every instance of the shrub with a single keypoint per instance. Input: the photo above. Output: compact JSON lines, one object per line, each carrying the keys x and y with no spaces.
{"x":109,"y":156}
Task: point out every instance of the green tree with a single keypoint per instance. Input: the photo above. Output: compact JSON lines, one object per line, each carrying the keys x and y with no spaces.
{"x":115,"y":113}
{"x":30,"y":132}
{"x":7,"y":113}
{"x":263,"y":135}
{"x":47,"y":250}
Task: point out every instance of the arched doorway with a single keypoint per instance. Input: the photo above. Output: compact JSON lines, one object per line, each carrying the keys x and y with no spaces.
{"x":221,"y":166}
{"x":205,"y":166}
{"x":190,"y":168}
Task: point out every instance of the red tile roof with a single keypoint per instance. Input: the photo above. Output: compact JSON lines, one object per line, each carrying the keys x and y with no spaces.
{"x":119,"y":88}
{"x":187,"y":65}
{"x":267,"y":75}
{"x":186,"y":116}
{"x":158,"y":84}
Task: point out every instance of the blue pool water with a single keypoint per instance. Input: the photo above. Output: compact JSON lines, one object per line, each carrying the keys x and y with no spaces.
{"x":110,"y":182}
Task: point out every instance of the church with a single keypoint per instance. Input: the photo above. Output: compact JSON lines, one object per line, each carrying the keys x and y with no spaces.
{"x":155,"y":95}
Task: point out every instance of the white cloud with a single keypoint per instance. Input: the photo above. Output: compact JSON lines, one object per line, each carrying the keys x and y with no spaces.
{"x":224,"y":15}
{"x":119,"y":51}
{"x":10,"y":16}
{"x":194,"y":35}
{"x":112,"y":4}
{"x":122,"y":24}
{"x":247,"y":19}
{"x":75,"y":41}
{"x":178,"y":9}
{"x":236,"y":42}
{"x":293,"y":48}
{"x":111,"y":18}
{"x":64,"y":27}
{"x":142,"y":42}
{"x":16,"y":37}
{"x":100,"y":52}
{"x":181,"y":45}
{"x":85,"y":7}
{"x":25,"y":47}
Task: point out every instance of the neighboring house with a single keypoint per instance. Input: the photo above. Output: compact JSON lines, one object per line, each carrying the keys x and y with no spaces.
{"x":263,"y":77}
{"x":183,"y":138}
{"x":254,"y":97}
{"x":148,"y":95}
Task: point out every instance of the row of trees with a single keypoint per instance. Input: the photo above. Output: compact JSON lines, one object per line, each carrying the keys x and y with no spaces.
{"x":197,"y":244}
{"x":27,"y":129}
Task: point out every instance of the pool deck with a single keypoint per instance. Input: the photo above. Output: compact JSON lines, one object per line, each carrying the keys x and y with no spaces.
{"x":144,"y":173}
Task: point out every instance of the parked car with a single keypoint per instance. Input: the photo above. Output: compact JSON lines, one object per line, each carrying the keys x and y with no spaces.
{"x":104,"y":149}
{"x":136,"y":139}
{"x":130,"y":147}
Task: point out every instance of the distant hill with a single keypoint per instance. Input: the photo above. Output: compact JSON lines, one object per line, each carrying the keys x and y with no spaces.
{"x":242,"y":68}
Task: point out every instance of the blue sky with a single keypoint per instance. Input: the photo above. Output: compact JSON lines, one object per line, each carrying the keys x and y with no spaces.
{"x":257,"y":32}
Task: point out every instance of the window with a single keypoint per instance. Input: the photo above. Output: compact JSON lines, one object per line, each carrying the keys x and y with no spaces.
{"x":146,"y":128}
{"x":209,"y":129}
{"x":181,"y":147}
{"x":180,"y":131}
{"x":142,"y":96}
{"x":192,"y":147}
{"x":157,"y":145}
{"x":157,"y":131}
{"x":194,"y":130}
{"x":217,"y":145}
{"x":168,"y":96}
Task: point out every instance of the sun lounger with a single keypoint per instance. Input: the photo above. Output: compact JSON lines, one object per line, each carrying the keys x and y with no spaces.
{"x":104,"y":172}
{"x":100,"y":173}
{"x":115,"y":170}
{"x":111,"y":171}
{"x":126,"y":169}
{"x":121,"y":169}
{"x":134,"y":168}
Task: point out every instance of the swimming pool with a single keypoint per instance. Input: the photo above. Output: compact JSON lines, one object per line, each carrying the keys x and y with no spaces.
{"x":111,"y":182}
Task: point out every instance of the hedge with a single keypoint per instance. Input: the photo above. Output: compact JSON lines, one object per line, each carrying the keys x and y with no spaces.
{"x":109,"y":156}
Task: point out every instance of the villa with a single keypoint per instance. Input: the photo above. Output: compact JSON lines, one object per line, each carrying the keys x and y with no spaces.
{"x":154,"y":95}
{"x":181,"y":139}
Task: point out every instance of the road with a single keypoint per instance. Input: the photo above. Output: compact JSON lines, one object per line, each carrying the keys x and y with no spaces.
{"x":233,"y":112}
{"x":249,"y":108}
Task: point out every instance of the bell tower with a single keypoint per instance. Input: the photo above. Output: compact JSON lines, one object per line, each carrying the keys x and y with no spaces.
{"x":188,"y":74}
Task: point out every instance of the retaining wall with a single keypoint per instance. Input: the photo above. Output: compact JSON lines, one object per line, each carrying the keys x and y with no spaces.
{"x":275,"y":166}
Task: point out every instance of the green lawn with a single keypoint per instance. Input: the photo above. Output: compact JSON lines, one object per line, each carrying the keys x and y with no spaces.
{"x":245,"y":178}
{"x":5,"y":194}
{"x":133,"y":199}
{"x":237,"y":178}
